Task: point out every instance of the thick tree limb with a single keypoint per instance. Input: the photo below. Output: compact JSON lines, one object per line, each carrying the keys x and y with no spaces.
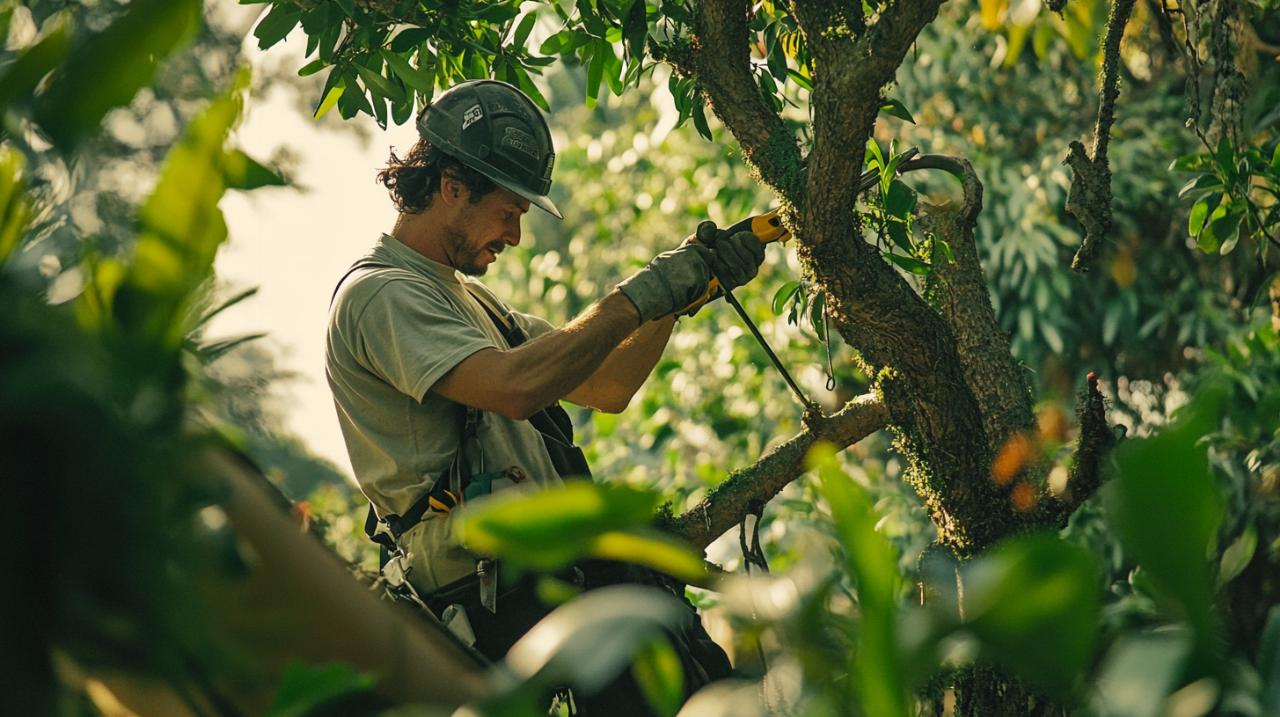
{"x":958,"y":290}
{"x":848,"y":77}
{"x":726,"y":505}
{"x":1089,"y":200}
{"x":720,"y":59}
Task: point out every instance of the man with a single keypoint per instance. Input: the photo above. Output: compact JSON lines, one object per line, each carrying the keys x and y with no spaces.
{"x":442,"y":391}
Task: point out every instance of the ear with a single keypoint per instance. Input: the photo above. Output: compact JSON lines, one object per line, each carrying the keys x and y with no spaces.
{"x":453,"y":191}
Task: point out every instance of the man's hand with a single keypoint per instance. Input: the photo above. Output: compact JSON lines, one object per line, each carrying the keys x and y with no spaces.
{"x":672,"y":280}
{"x":737,"y":257}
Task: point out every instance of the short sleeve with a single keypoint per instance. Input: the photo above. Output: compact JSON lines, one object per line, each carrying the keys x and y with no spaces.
{"x":532,"y":326}
{"x":411,"y":336}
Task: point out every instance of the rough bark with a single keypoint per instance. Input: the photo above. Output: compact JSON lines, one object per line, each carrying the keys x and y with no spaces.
{"x":958,"y":290}
{"x":725,"y":506}
{"x":1090,"y":197}
{"x":720,"y":60}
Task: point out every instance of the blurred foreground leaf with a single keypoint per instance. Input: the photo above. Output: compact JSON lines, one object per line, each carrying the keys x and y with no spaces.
{"x":1033,"y":604}
{"x":874,"y":564}
{"x":15,"y":206}
{"x":304,"y":688}
{"x":553,"y":528}
{"x":589,"y":641}
{"x":1138,"y":672}
{"x":1166,"y":508}
{"x":106,"y":70}
{"x":181,"y":228}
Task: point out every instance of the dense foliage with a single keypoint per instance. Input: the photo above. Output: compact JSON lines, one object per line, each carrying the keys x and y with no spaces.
{"x":1160,"y":595}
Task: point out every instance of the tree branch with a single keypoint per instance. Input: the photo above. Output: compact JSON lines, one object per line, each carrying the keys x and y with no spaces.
{"x":848,"y":77}
{"x":1089,"y":200}
{"x":720,"y":59}
{"x":725,"y":506}
{"x":1093,"y":444}
{"x":958,"y":290}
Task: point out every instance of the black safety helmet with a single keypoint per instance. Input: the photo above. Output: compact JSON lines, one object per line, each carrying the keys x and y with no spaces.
{"x":493,"y":128}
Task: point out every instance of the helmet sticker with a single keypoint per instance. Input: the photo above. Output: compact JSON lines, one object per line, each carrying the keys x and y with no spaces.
{"x":551,"y":162}
{"x":518,"y":139}
{"x":471,"y":116}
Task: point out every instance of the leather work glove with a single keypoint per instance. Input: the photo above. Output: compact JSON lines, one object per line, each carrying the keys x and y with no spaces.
{"x":670,"y":281}
{"x":737,"y":257}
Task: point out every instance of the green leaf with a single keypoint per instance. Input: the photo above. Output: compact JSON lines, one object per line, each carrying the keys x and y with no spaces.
{"x":418,"y":78}
{"x":555,"y":44}
{"x":1225,"y":158}
{"x":180,"y":225}
{"x":1199,"y":213}
{"x":612,"y":69}
{"x":1269,"y":662}
{"x":586,"y":643}
{"x":328,"y":99}
{"x":1224,"y":225}
{"x":410,"y":38}
{"x":15,"y":205}
{"x":23,"y":74}
{"x":658,"y":672}
{"x":880,"y":682}
{"x":554,"y":526}
{"x":895,"y":108}
{"x":1237,"y":555}
{"x":244,"y":172}
{"x":277,"y":25}
{"x":635,"y":28}
{"x":107,"y":69}
{"x":651,"y":549}
{"x":800,"y":80}
{"x":375,"y":81}
{"x":911,"y":264}
{"x":304,"y":688}
{"x":898,"y":234}
{"x":901,"y":199}
{"x":783,"y":296}
{"x":776,"y":57}
{"x":595,"y":72}
{"x":527,"y":85}
{"x":700,"y":120}
{"x":210,"y":352}
{"x":817,"y":307}
{"x":1031,"y":592}
{"x":523,"y":29}
{"x":590,"y":20}
{"x":1165,"y":507}
{"x":1203,"y":182}
{"x":1138,"y":672}
{"x":236,"y":298}
{"x":312,"y":67}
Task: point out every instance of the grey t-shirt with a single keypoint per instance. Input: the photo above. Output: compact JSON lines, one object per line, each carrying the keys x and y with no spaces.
{"x":393,"y":332}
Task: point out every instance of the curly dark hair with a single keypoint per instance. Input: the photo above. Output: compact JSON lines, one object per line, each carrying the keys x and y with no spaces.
{"x":415,"y":179}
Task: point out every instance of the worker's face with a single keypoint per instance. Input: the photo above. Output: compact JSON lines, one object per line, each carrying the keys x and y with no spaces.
{"x":480,"y":231}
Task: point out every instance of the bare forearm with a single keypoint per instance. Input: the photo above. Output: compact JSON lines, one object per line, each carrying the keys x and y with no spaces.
{"x":627,"y":366}
{"x":550,"y":366}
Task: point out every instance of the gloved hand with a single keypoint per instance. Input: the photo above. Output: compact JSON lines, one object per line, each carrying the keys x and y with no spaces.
{"x":737,"y":257}
{"x":671,"y":280}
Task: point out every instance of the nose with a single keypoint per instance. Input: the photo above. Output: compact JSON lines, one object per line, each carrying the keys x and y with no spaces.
{"x":512,"y":237}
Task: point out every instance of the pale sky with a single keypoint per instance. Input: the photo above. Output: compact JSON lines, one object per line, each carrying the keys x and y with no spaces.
{"x":295,"y":245}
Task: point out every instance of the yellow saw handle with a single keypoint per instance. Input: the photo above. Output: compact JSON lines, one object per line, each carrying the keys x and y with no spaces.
{"x":767,"y":227}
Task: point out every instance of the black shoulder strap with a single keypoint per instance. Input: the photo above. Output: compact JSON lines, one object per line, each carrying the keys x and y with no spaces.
{"x":354,"y":268}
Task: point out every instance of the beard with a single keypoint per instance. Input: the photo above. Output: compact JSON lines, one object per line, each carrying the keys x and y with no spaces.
{"x":466,"y":257}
